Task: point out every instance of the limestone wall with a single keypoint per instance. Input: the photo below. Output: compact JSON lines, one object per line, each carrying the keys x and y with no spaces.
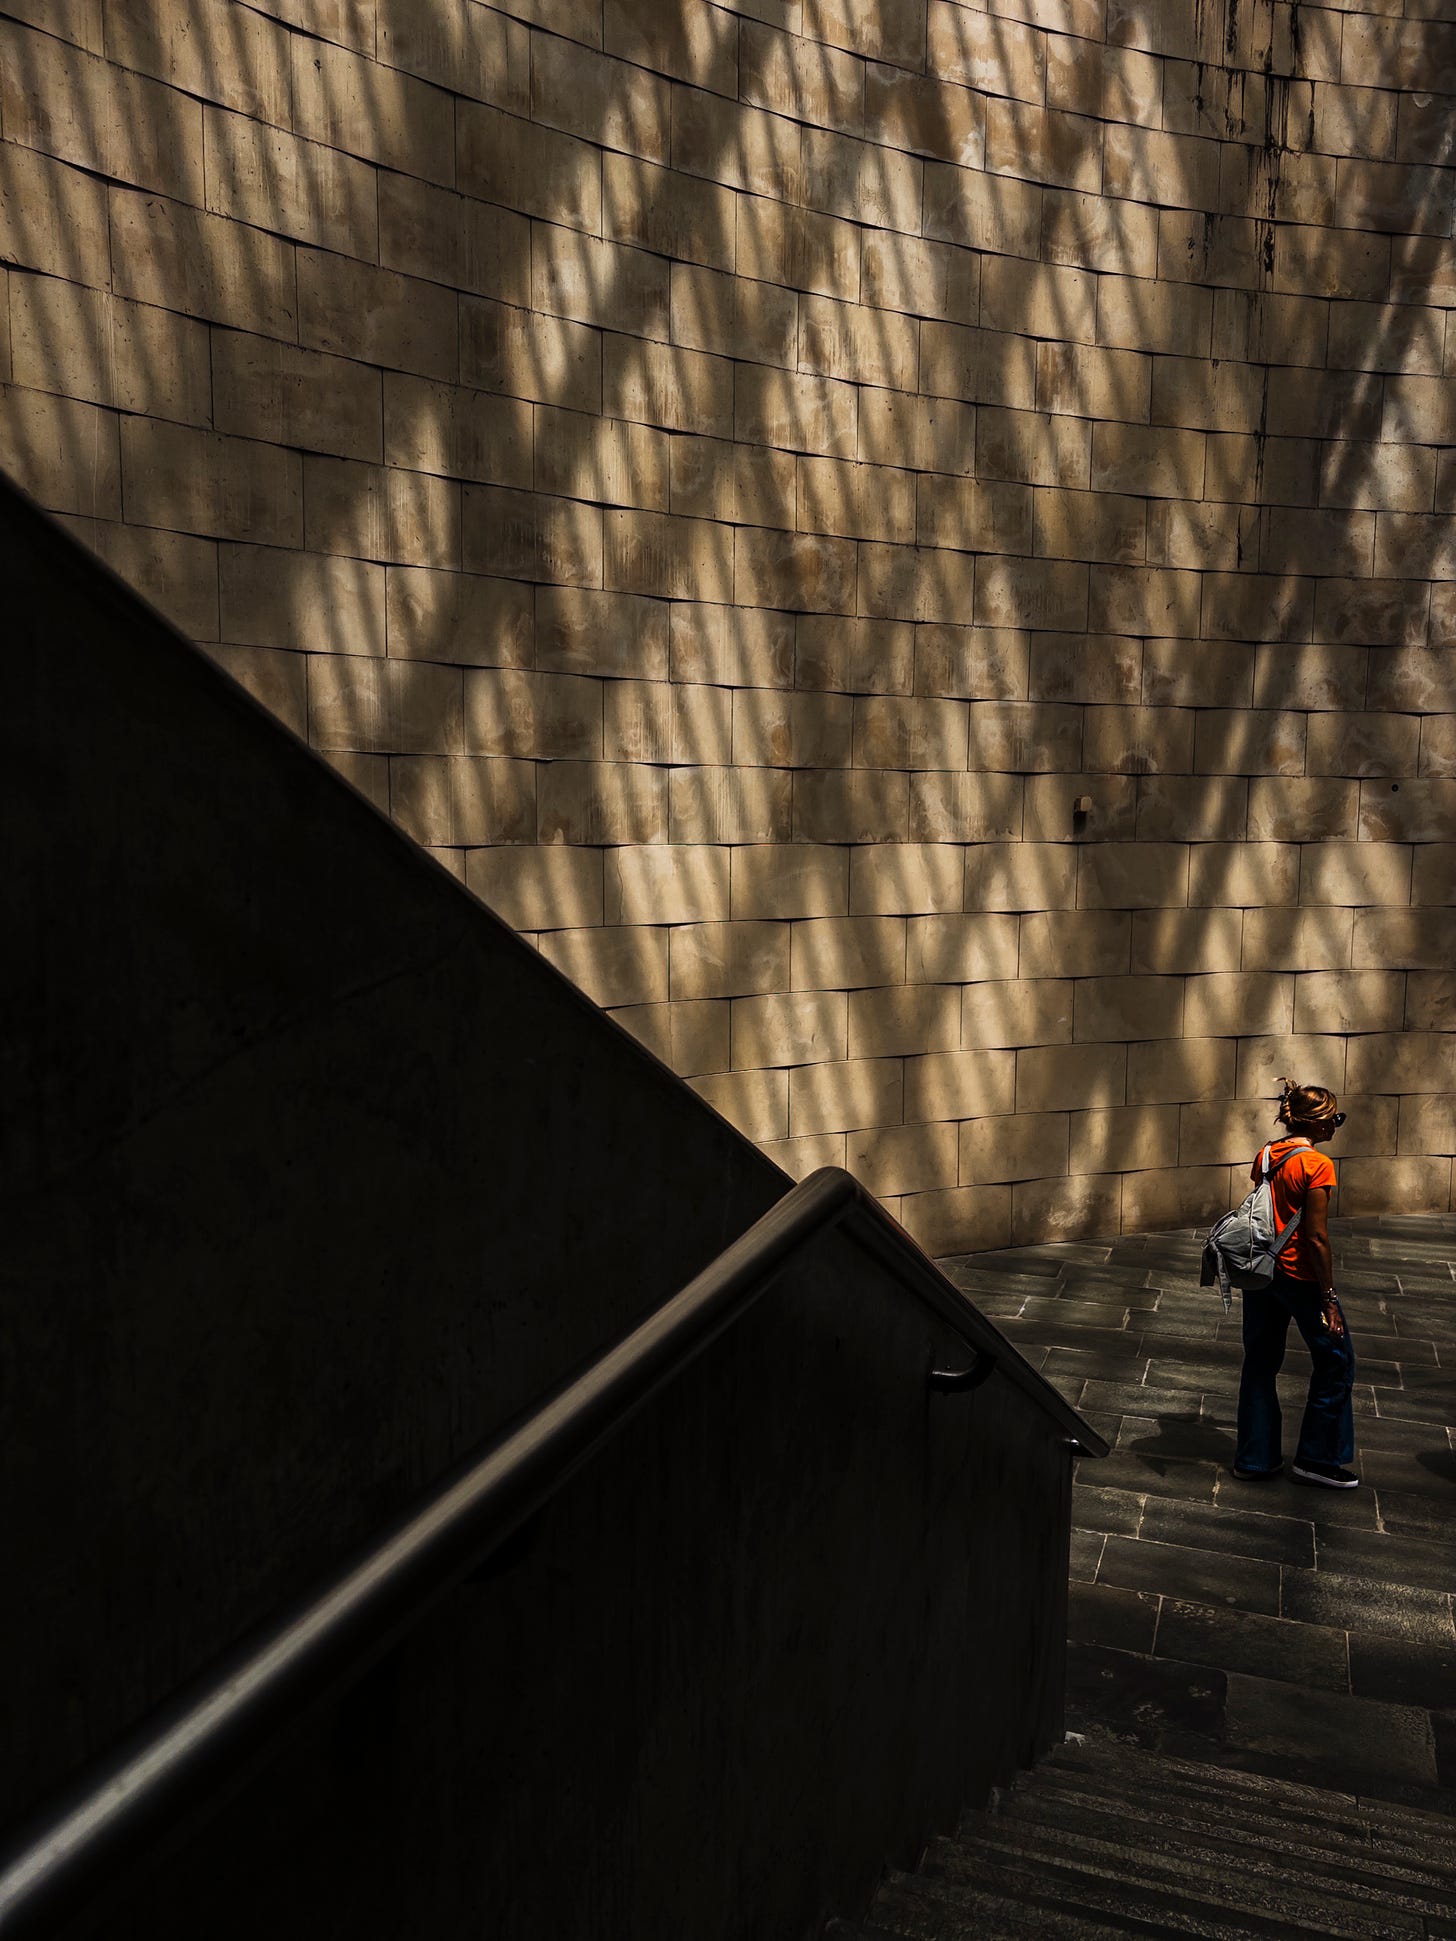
{"x":906,"y":543}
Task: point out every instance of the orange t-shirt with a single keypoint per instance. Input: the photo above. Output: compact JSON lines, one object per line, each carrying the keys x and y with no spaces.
{"x":1290,"y":1185}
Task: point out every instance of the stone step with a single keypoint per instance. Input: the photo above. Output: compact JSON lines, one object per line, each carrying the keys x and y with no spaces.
{"x":1104,"y":1878}
{"x":1367,"y":1840}
{"x":1310,"y":1856}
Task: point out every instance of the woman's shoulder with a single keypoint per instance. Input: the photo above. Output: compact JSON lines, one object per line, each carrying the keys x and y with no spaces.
{"x":1316,"y":1168}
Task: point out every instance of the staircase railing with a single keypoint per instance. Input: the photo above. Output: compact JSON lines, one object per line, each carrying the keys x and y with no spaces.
{"x":212,"y":1734}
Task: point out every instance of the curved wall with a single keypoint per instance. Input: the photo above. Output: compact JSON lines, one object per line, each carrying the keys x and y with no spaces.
{"x":906,"y":544}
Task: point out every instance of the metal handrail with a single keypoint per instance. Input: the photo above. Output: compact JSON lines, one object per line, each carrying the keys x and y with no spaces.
{"x":215,"y":1730}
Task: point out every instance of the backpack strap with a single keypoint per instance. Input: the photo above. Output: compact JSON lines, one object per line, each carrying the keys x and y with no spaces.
{"x":1281,"y":1239}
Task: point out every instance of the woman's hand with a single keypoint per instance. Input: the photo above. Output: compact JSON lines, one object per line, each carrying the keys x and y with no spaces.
{"x":1334,"y":1320}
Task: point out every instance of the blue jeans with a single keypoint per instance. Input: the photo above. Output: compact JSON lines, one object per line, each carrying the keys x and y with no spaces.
{"x":1327,"y":1434}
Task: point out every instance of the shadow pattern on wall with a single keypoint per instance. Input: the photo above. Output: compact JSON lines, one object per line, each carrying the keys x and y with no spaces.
{"x":733,"y":487}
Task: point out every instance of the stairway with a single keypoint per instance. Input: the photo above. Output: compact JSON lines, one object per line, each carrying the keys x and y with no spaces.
{"x":1106,"y":1839}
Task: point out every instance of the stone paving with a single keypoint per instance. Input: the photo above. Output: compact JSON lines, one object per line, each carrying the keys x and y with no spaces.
{"x":1301,"y":1633}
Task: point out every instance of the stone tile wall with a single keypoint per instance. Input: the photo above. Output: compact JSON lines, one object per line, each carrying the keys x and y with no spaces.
{"x":907,"y":544}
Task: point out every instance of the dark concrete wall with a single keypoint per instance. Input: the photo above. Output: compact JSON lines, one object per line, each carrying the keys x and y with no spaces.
{"x":314,"y":1175}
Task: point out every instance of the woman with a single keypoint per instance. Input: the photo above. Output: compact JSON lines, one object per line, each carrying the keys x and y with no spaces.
{"x":1303,"y":1289}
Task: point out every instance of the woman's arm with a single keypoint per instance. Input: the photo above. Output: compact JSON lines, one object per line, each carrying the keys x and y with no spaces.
{"x":1316,"y":1225}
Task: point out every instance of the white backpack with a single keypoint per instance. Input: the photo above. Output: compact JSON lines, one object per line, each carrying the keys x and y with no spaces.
{"x":1243,"y":1247}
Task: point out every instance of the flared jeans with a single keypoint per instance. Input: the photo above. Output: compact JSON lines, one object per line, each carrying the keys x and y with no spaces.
{"x":1327,"y":1433}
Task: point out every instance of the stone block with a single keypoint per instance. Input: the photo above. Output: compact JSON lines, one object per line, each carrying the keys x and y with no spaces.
{"x":790,"y":880}
{"x":85,"y":344}
{"x":847,"y":953}
{"x":1227,"y":1003}
{"x":903,"y":1159}
{"x":772,"y":728}
{"x":925,"y":434}
{"x":288,"y":396}
{"x":1248,"y":875}
{"x":1020,"y":737}
{"x":1301,"y":808}
{"x":1082,"y":381}
{"x":167,"y":254}
{"x":366,"y":706}
{"x":737,"y":959}
{"x":1034,"y":593}
{"x":1407,"y":1061}
{"x":666,"y":883}
{"x":690,"y":1038}
{"x":851,"y":805}
{"x":1207,"y":674}
{"x":848,"y":1096}
{"x":1438,"y":748}
{"x":906,"y":878}
{"x":788,"y":1028}
{"x":854,"y":656}
{"x":1070,"y":1078}
{"x":1051,"y":816}
{"x":798,"y":248}
{"x":455,"y":430}
{"x":1033,"y":447}
{"x":1135,"y":313}
{"x":921,"y":112}
{"x":1170,"y":1071}
{"x":600,"y":100}
{"x":1138,"y":741}
{"x":446,"y":616}
{"x":1294,"y":939}
{"x":67,"y":455}
{"x":1367,"y":1000}
{"x":955,"y":949}
{"x":180,"y":45}
{"x":430,"y":232}
{"x":1421,"y":811}
{"x":995,"y":55}
{"x":861,"y":181}
{"x":906,"y":583}
{"x":1113,"y":1010}
{"x":1242,"y":469}
{"x":273,"y":180}
{"x":1152,"y":461}
{"x":904,"y":1020}
{"x":855,"y":501}
{"x":956,"y":806}
{"x":1192,"y":808}
{"x":662,"y":210}
{"x":718,"y":804}
{"x":958,"y":1220}
{"x":1023,"y":1145}
{"x":1399,"y":939}
{"x":1170,"y":942}
{"x":377,"y":316}
{"x":959,"y":1085}
{"x":586,"y":802}
{"x":532,"y":536}
{"x":1415,"y":1185}
{"x":800,"y":1157}
{"x":1145,"y":600}
{"x":1430,"y":1003}
{"x":1044,"y":1211}
{"x":798,"y":571}
{"x":1428,"y":1125}
{"x":1363,"y":744}
{"x":522,"y":165}
{"x":731,"y":315}
{"x":660,"y":384}
{"x":920,"y":278}
{"x":549,"y":359}
{"x":199,"y":481}
{"x":978,"y":367}
{"x":1132,"y":876}
{"x":1044,"y":143}
{"x":1318,"y":678}
{"x":1355,"y":874}
{"x":278,"y":598}
{"x":1206,"y":536}
{"x":964,"y":514}
{"x":728,"y":646}
{"x":756,"y":1103}
{"x":1249,"y":741}
{"x":980,"y":663}
{"x":583,"y":277}
{"x":1316,"y":1060}
{"x":1123,"y":1138}
{"x":1102,"y":668}
{"x":651,"y":721}
{"x":1433,"y":877}
{"x":1091,"y":526}
{"x":1074,"y":943}
{"x":1020,"y":876}
{"x":1175,"y":1196}
{"x":582,"y":631}
{"x":1252,"y":327}
{"x":1017,"y":1011}
{"x":624,"y":965}
{"x":453,"y":801}
{"x":380,"y":512}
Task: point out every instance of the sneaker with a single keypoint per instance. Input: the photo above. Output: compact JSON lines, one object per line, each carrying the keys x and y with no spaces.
{"x":1257,"y":1475}
{"x":1328,"y":1475}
